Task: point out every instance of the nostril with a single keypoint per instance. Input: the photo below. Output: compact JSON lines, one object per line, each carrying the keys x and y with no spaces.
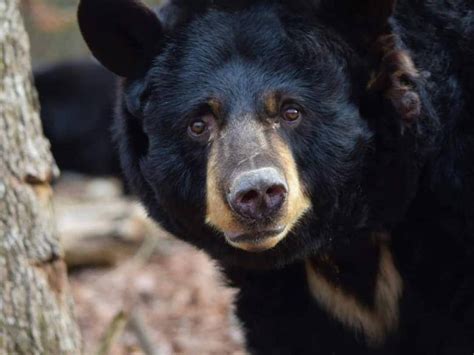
{"x":276,"y":191}
{"x":275,"y":196}
{"x":249,"y":197}
{"x":249,"y":203}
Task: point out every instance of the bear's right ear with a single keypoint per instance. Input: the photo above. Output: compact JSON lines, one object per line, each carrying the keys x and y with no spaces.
{"x":124,"y":35}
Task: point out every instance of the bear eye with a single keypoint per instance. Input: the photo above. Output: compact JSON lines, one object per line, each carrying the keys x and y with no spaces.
{"x":197,"y":128}
{"x":291,"y":114}
{"x":201,"y":128}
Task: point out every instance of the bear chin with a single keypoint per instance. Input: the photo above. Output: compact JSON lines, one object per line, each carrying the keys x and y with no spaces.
{"x":295,"y":246}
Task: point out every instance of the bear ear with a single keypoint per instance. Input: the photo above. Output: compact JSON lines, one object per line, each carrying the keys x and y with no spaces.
{"x":373,"y":13}
{"x":370,"y":16}
{"x":394,"y":74}
{"x":124,"y":35}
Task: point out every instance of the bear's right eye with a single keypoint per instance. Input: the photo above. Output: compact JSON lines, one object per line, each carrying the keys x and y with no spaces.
{"x":197,"y":127}
{"x":200,"y":128}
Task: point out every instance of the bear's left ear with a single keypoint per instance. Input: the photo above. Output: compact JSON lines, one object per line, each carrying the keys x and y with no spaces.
{"x":394,"y":74}
{"x":370,"y":17}
{"x":374,"y":14}
{"x":124,"y":35}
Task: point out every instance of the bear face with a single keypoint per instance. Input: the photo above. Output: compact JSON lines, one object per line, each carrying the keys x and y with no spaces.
{"x":245,"y":132}
{"x":228,"y":116}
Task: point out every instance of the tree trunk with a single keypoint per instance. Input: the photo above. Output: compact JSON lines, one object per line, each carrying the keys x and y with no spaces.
{"x":36,"y":314}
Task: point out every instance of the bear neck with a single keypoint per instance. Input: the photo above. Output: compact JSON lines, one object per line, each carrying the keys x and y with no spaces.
{"x":359,"y":285}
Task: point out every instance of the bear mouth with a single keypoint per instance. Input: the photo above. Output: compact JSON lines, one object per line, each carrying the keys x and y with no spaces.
{"x":256,"y":241}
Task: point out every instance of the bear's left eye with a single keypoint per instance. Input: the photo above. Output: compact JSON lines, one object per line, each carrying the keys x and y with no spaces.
{"x":291,"y":114}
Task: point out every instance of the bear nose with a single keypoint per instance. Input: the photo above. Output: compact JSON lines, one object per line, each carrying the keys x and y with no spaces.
{"x":258,"y":194}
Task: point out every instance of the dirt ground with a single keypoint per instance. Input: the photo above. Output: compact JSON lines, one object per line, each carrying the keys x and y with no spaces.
{"x":175,"y":297}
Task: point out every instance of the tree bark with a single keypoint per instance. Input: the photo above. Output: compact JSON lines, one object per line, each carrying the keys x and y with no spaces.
{"x":36,"y":313}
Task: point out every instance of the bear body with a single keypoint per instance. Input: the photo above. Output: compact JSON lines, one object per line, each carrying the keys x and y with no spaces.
{"x":77,"y":99}
{"x":321,"y":152}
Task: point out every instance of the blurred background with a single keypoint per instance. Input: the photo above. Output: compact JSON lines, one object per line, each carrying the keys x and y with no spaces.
{"x":137,"y":290}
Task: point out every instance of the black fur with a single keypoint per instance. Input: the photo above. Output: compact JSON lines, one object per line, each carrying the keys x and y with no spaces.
{"x":77,"y":100}
{"x":364,"y":166}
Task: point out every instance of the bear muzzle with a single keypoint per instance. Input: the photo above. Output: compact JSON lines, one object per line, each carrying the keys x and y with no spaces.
{"x":254,"y":194}
{"x":258,"y":195}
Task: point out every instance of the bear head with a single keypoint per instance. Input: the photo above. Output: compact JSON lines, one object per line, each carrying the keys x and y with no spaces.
{"x":264,"y":131}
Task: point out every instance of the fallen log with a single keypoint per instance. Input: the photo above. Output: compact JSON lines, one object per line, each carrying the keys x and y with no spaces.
{"x":97,"y":224}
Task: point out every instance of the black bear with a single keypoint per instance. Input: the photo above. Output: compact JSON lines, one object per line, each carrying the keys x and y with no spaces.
{"x":322,"y":152}
{"x":77,"y":99}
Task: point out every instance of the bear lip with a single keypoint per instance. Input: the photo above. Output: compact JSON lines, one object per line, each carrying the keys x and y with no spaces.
{"x":255,"y":240}
{"x":253,"y":235}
